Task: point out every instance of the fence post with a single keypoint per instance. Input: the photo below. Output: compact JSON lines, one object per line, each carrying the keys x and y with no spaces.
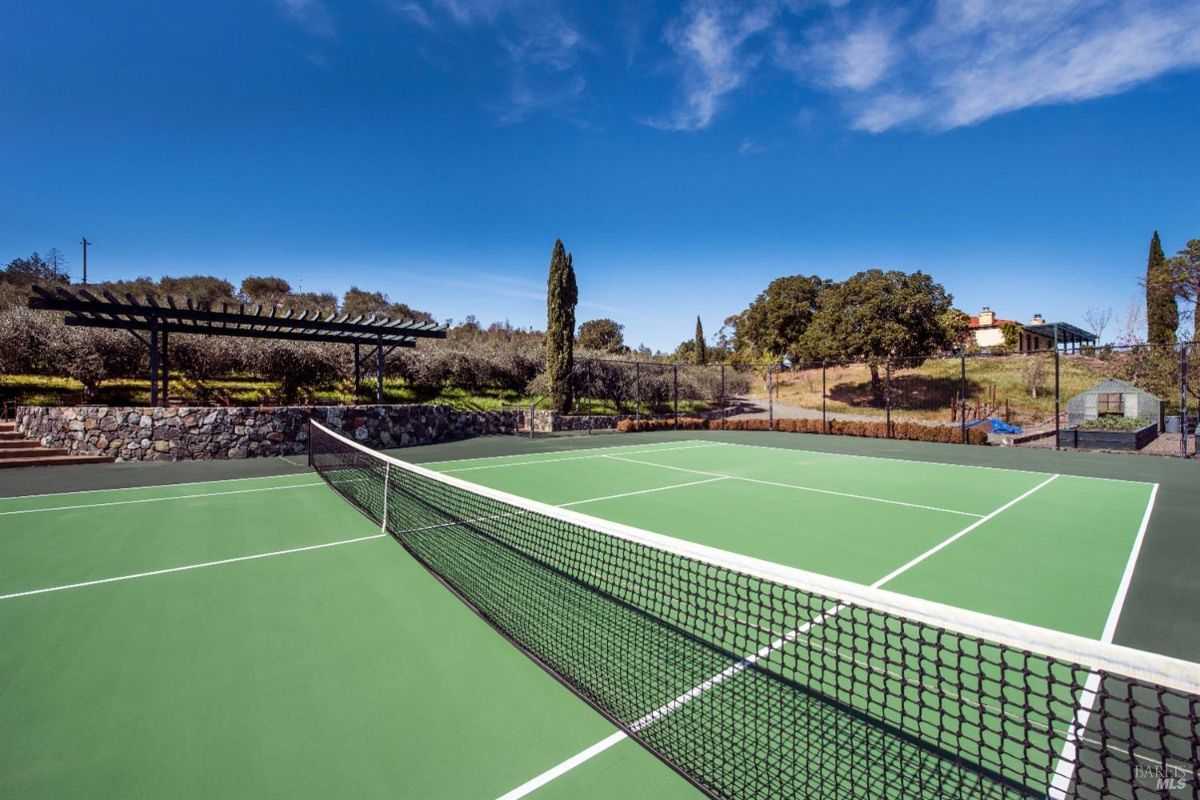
{"x":637,"y":392}
{"x":770,"y":397}
{"x":591,"y":412}
{"x":824,"y":421}
{"x":1057,"y":399}
{"x":675,"y":392}
{"x":962,"y":395}
{"x":722,"y":397}
{"x":887,"y":395}
{"x":1183,"y":404}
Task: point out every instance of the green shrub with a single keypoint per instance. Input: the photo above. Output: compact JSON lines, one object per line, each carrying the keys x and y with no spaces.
{"x":1115,"y":423}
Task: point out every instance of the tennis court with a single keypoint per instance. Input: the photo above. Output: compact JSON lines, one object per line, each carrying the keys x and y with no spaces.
{"x":263,"y":637}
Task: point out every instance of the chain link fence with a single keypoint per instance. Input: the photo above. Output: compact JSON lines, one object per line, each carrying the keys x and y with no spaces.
{"x":1139,"y":398}
{"x":1136,"y":398}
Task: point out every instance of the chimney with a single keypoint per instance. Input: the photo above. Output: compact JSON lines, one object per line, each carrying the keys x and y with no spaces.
{"x":1037,"y":320}
{"x":987,"y":317}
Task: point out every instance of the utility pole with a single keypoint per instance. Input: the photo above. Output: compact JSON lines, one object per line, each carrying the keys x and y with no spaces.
{"x":83,"y":241}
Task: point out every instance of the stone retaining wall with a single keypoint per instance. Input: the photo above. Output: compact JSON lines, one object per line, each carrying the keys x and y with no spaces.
{"x":552,"y":421}
{"x":172,"y":434}
{"x":169,"y":434}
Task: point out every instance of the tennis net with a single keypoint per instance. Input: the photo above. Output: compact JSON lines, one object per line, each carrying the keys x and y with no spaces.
{"x":756,"y":680}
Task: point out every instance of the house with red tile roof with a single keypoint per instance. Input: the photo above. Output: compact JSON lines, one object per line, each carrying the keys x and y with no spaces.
{"x":1037,"y":335}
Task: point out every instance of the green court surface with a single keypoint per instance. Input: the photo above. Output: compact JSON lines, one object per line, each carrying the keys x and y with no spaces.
{"x":258,"y":637}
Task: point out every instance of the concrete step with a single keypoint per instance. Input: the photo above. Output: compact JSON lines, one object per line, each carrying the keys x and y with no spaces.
{"x":8,"y":426}
{"x":10,"y":444}
{"x":53,"y":461}
{"x":31,"y":451}
{"x":8,"y":435}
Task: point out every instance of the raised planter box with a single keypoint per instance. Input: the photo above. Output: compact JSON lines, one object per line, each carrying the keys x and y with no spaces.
{"x":1091,"y":439}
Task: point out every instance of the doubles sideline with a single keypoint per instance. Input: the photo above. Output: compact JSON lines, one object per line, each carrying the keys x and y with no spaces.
{"x":302,"y":549}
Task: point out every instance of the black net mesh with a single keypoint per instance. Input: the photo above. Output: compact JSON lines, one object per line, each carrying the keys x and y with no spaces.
{"x":755,"y":688}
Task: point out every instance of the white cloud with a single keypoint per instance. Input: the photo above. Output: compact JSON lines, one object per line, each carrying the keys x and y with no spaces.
{"x":539,"y":47}
{"x":415,"y":12}
{"x":312,"y":15}
{"x":708,"y":43}
{"x":976,"y":59}
{"x":861,"y":59}
{"x":959,"y":63}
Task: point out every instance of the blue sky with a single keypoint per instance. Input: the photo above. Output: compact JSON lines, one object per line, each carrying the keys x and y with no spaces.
{"x":687,"y":153}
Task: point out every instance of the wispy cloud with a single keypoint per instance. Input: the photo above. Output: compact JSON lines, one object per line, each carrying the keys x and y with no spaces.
{"x":987,"y":58}
{"x":414,"y":12}
{"x":708,"y":43}
{"x":959,"y":63}
{"x":539,"y":48}
{"x":312,"y":15}
{"x":750,"y":147}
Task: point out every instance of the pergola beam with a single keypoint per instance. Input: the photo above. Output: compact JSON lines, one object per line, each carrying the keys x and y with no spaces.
{"x":62,"y":300}
{"x":84,"y":309}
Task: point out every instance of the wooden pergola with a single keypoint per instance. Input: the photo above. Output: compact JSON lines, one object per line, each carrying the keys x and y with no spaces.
{"x":152,"y":321}
{"x":1065,"y":335}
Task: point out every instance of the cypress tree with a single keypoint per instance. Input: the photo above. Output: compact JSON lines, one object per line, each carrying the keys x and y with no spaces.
{"x":701,"y":351}
{"x":1162,"y":315}
{"x":561,"y":296}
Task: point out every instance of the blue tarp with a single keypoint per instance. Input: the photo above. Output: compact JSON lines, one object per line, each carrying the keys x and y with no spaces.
{"x":1003,"y":427}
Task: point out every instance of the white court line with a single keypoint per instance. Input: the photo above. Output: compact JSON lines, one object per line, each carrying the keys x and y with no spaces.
{"x":798,"y":487}
{"x":642,"y":491}
{"x":564,"y":767}
{"x":191,"y":567}
{"x":288,"y":460}
{"x":734,"y":669}
{"x":159,"y":499}
{"x":573,"y":458}
{"x":315,"y":546}
{"x":1064,"y":771}
{"x":434,"y":464}
{"x":927,"y":463}
{"x":151,"y":486}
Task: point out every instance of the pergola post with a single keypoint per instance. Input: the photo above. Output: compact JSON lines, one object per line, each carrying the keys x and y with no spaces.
{"x":84,"y":309}
{"x":153,"y":361}
{"x":357,"y":373}
{"x":379,"y":371}
{"x":166,"y":371}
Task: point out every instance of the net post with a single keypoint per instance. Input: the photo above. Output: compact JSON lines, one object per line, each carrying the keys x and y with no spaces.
{"x":387,"y":480}
{"x":962,"y":394}
{"x":1057,"y":398}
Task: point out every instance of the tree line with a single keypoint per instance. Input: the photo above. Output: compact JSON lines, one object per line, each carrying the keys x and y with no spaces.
{"x":1170,"y":282}
{"x":266,"y":290}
